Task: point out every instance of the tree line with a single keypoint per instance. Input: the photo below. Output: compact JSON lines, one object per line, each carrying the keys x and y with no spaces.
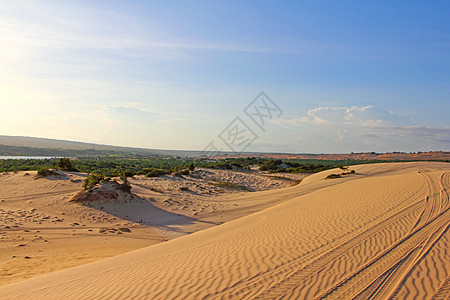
{"x":162,"y":165}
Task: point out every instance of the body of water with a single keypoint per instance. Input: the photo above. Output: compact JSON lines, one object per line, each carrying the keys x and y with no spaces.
{"x":28,"y":157}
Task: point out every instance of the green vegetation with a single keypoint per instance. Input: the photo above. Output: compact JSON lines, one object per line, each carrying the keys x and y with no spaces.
{"x":94,"y":179}
{"x":12,"y":165}
{"x":124,"y":177}
{"x":294,"y":167}
{"x":278,"y":165}
{"x":225,"y":166}
{"x":64,"y":164}
{"x":153,"y":172}
{"x":155,"y":166}
{"x":181,"y":172}
{"x":112,"y":167}
{"x":332,"y":176}
{"x":46,"y":172}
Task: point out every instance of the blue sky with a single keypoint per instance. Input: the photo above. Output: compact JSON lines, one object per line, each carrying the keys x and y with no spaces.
{"x":348,"y":75}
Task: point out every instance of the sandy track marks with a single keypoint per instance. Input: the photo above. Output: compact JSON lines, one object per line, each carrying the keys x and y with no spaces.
{"x":46,"y":194}
{"x":424,"y":234}
{"x":396,"y":254}
{"x":433,"y":201}
{"x":304,"y":268}
{"x":380,"y":283}
{"x":317,"y":267}
{"x":325,"y":270}
{"x":418,"y":287}
{"x":445,"y":182}
{"x":356,"y":256}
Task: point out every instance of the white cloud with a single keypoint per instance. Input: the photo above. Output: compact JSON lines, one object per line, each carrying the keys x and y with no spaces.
{"x":354,"y":116}
{"x":360,"y":128}
{"x":127,"y":114}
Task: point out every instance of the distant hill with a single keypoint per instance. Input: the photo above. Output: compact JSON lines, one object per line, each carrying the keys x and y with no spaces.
{"x":32,"y":146}
{"x":23,"y":145}
{"x":369,"y":156}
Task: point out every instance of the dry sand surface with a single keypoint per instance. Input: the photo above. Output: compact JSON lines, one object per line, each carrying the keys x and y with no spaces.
{"x":41,"y":230}
{"x":380,"y":233}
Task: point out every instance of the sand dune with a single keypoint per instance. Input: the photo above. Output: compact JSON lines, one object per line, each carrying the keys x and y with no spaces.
{"x":383,"y":232}
{"x":43,"y":228}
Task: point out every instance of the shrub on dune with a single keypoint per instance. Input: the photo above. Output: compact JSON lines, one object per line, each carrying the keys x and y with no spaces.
{"x":94,"y":179}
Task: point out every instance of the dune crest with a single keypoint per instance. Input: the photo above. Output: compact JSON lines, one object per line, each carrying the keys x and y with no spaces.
{"x":383,"y":232}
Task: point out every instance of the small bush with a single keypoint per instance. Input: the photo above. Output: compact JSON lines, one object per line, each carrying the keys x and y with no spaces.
{"x":65,"y":164}
{"x":124,"y":176}
{"x":155,"y":173}
{"x":332,"y":176}
{"x":271,"y":165}
{"x":181,"y":172}
{"x":46,"y":172}
{"x":222,"y":166}
{"x":92,"y":180}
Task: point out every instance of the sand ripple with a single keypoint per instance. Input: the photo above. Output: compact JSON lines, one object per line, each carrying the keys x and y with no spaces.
{"x":379,"y":234}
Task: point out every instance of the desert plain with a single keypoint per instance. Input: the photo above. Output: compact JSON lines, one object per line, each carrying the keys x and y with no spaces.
{"x":380,"y":233}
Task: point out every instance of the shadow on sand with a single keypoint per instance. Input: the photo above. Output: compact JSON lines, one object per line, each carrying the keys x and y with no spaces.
{"x":141,"y":210}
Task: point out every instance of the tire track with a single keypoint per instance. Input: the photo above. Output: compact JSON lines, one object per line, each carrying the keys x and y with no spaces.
{"x":426,"y":249}
{"x":388,"y":259}
{"x":402,"y":266}
{"x":431,"y":200}
{"x":445,"y":181}
{"x":303,"y":268}
{"x":377,"y":286}
{"x":318,"y":264}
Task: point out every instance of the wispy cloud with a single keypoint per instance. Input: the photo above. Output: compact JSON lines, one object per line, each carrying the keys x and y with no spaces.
{"x":40,"y":27}
{"x":127,"y":113}
{"x":123,"y":118}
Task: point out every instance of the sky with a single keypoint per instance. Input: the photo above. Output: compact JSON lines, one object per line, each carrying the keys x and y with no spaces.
{"x":336,"y":76}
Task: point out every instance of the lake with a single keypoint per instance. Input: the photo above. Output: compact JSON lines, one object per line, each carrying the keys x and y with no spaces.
{"x":27,"y":157}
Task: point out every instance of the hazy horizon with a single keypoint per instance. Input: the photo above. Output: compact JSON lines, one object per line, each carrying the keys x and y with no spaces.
{"x":338,"y":77}
{"x":205,"y":153}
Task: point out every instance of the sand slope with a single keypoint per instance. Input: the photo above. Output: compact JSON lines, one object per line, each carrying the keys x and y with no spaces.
{"x":381,"y":233}
{"x":42,"y":230}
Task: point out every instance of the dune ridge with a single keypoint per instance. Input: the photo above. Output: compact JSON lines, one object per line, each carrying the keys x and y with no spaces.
{"x":381,"y":233}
